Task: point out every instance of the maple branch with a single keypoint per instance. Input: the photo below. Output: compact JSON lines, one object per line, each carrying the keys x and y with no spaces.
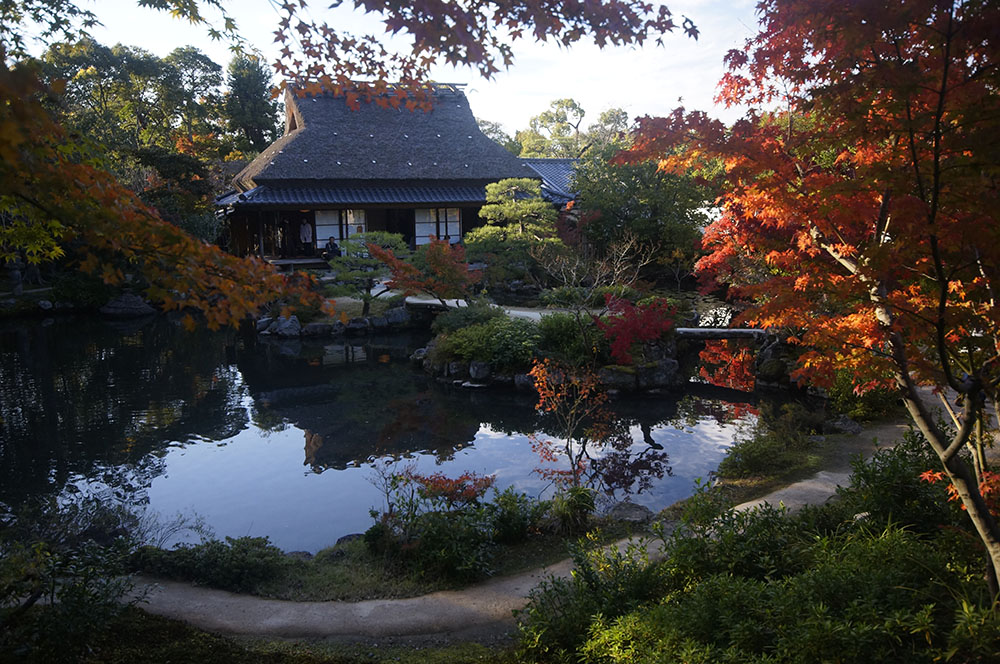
{"x":850,"y":265}
{"x":882,"y":224}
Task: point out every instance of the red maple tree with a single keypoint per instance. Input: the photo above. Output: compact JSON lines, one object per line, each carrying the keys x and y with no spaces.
{"x":862,"y":216}
{"x":439,"y":269}
{"x":628,"y":324}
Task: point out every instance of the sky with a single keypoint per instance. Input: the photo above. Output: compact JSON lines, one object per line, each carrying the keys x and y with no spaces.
{"x":649,"y":80}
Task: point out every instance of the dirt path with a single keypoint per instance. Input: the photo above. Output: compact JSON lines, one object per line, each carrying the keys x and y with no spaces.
{"x":481,"y":613}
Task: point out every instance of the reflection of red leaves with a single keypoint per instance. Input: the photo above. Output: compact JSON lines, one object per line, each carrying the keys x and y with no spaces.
{"x":727,"y":364}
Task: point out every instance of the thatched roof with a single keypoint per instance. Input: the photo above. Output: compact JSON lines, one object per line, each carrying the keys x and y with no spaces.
{"x":327,"y":141}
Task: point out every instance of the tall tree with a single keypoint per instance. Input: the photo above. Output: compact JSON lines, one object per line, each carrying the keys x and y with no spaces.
{"x":251,"y":113}
{"x":554,"y":132}
{"x":664,"y":210}
{"x":610,"y":129}
{"x":495,"y":132}
{"x":873,"y":198}
{"x":197,"y":81}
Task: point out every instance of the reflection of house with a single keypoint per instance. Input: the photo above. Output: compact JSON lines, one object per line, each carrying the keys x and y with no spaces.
{"x":338,"y":172}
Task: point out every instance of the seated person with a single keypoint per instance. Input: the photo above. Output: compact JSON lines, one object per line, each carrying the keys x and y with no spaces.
{"x":331,"y":250}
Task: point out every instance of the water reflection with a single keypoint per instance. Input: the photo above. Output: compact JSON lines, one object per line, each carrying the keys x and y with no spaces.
{"x":79,"y":396}
{"x":278,"y":438}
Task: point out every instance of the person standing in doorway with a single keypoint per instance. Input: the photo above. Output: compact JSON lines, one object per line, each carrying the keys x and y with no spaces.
{"x":306,"y":237}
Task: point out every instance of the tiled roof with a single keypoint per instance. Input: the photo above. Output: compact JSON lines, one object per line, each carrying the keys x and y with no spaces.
{"x":557,"y":177}
{"x":340,"y":195}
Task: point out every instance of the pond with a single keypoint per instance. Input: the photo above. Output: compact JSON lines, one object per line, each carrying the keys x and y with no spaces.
{"x":284,"y":439}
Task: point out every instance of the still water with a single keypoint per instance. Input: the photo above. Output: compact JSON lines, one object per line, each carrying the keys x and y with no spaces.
{"x":283,"y":438}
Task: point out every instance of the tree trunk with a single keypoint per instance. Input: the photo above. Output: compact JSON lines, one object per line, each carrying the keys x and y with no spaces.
{"x":958,"y":471}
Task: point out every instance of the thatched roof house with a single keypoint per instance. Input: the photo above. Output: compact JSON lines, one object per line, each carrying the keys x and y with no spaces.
{"x":337,"y":171}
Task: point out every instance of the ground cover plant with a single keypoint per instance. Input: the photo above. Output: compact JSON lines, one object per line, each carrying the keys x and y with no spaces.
{"x":73,"y":560}
{"x":882,"y":574}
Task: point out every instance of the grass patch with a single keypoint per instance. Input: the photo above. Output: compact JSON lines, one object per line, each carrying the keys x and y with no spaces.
{"x":751,"y":486}
{"x":139,"y":637}
{"x":349,"y":572}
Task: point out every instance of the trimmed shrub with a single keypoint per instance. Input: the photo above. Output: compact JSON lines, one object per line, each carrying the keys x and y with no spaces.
{"x":462,"y":317}
{"x":575,"y":296}
{"x":562,"y":337}
{"x":505,"y":343}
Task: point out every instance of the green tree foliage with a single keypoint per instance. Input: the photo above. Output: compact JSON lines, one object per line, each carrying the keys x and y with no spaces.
{"x":518,"y":220}
{"x":362,"y":272}
{"x":554,"y":132}
{"x":251,"y":114}
{"x":195,"y":85}
{"x":558,"y":132}
{"x":495,"y":132}
{"x":664,"y":210}
{"x":180,"y":190}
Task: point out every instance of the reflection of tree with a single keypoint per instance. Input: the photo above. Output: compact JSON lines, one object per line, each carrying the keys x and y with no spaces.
{"x":79,"y":394}
{"x":627,"y":466}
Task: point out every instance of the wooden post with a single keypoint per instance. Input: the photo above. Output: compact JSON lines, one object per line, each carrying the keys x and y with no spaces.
{"x":260,"y":234}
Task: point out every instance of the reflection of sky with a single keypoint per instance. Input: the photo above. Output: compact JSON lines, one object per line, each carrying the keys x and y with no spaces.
{"x":254,"y":484}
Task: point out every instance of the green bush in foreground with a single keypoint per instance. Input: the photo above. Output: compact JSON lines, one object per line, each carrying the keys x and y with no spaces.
{"x":874,"y":576}
{"x":71,"y":559}
{"x":237,"y":564}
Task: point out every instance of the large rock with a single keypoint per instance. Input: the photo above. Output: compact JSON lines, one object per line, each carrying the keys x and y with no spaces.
{"x":524,"y":382}
{"x":458,"y":369}
{"x":357,"y":326}
{"x":630,"y":513}
{"x":479,"y":371}
{"x":285,"y":327}
{"x":264,"y":323}
{"x":773,"y":371}
{"x":843,"y":424}
{"x":617,"y":378}
{"x":378,"y":322}
{"x":658,"y":374}
{"x":317,"y":330}
{"x":398,"y":317}
{"x":127,"y":305}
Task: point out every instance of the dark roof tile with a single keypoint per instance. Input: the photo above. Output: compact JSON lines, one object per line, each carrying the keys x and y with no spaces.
{"x":557,"y":177}
{"x":343,"y":195}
